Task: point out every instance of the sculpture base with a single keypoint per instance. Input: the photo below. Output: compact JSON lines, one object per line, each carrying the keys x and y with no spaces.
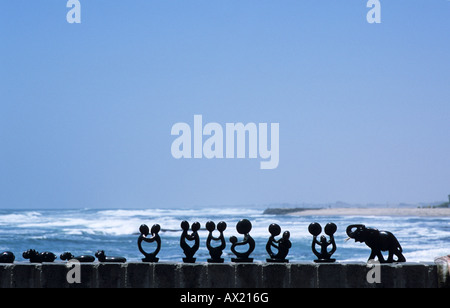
{"x":189,"y":260}
{"x":150,"y":259}
{"x":277,"y":260}
{"x":325,"y":260}
{"x":221,"y":260}
{"x":242,"y":260}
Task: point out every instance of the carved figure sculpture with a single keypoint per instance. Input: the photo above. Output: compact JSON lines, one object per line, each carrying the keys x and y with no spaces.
{"x":150,"y":257}
{"x":244,"y":226}
{"x":36,"y":257}
{"x":103,"y":258}
{"x":66,"y":256}
{"x":185,"y":236}
{"x":216,"y":252}
{"x":324,"y":255}
{"x":7,"y":257}
{"x":282,"y":245}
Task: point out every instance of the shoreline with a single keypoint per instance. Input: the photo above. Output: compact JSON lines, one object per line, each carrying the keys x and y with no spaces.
{"x":419,"y":212}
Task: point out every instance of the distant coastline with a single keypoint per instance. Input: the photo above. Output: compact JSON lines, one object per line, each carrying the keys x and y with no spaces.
{"x":420,"y":212}
{"x":285,"y":211}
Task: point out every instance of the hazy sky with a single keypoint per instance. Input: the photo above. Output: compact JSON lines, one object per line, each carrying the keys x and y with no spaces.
{"x":87,"y":109}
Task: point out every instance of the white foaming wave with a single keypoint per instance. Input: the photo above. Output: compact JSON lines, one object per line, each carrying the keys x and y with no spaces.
{"x":118,"y":227}
{"x":129,"y":225}
{"x":426,"y":255}
{"x":17,"y":218}
{"x":127,"y":222}
{"x":92,"y":224}
{"x":115,"y":222}
{"x":122,"y":222}
{"x":130,"y":213}
{"x":411,"y":233}
{"x":202,"y":212}
{"x":57,"y":223}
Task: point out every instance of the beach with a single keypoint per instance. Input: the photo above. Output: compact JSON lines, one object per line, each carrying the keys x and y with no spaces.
{"x":419,"y":212}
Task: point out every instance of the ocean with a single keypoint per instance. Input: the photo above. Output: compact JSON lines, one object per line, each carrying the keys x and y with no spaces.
{"x":84,"y":231}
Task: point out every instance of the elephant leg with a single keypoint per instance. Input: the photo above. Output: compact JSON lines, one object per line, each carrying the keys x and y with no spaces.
{"x":380,"y":257}
{"x":400,"y":257}
{"x":372,"y":255}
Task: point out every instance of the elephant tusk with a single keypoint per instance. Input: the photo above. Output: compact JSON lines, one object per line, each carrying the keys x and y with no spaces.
{"x":348,"y":238}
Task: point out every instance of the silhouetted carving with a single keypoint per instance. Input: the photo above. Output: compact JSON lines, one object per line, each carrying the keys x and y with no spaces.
{"x":36,"y":257}
{"x":103,"y":258}
{"x":244,"y":226}
{"x":189,"y":251}
{"x":216,"y":252}
{"x":66,"y":256}
{"x":282,"y":245}
{"x":7,"y":257}
{"x":378,"y":241}
{"x":324,"y":255}
{"x":150,"y":257}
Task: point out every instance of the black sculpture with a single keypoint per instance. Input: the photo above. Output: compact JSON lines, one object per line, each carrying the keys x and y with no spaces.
{"x":36,"y":257}
{"x":7,"y":257}
{"x":324,"y":255}
{"x":188,"y":250}
{"x":149,"y":257}
{"x":103,"y":258}
{"x":378,"y":241}
{"x":282,"y":245}
{"x":66,"y":256}
{"x":244,"y":226}
{"x":216,"y":252}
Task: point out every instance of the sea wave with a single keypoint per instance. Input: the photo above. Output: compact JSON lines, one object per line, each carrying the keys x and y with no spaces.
{"x":116,"y":230}
{"x":19,"y":218}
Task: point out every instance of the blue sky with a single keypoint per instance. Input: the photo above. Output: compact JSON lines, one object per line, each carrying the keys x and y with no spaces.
{"x":87,"y":109}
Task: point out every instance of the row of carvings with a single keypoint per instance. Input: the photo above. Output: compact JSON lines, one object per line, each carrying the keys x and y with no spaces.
{"x":277,"y":249}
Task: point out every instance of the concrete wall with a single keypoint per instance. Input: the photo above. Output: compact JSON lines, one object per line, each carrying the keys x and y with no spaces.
{"x":228,"y":275}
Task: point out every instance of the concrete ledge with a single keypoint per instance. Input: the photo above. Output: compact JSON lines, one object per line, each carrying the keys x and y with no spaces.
{"x":227,"y":275}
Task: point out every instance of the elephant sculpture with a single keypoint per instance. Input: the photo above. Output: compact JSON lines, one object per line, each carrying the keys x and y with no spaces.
{"x":378,"y":241}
